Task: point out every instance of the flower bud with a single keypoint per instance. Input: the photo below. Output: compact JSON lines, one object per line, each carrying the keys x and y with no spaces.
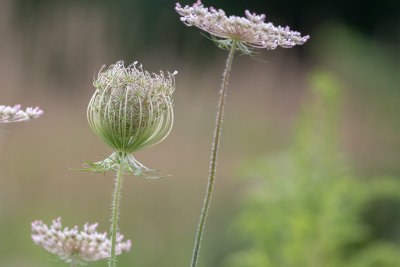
{"x":131,"y":109}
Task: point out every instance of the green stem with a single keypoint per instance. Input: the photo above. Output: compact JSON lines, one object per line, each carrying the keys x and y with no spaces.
{"x":73,"y":261}
{"x":214,"y":153}
{"x":115,"y":214}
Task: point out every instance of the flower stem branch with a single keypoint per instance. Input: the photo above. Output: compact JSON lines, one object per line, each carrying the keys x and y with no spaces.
{"x":115,"y":214}
{"x":73,"y":262}
{"x":214,"y":153}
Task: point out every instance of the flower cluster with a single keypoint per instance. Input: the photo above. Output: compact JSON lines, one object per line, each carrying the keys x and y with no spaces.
{"x":69,"y":244}
{"x":250,"y":31}
{"x":15,"y":114}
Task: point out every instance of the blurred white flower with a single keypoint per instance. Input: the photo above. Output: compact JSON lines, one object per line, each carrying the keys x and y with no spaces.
{"x":71,"y":244}
{"x":249,"y":31}
{"x":15,"y":114}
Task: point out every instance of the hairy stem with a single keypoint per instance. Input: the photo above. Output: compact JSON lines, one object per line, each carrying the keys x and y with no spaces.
{"x":115,"y":214}
{"x":214,"y":153}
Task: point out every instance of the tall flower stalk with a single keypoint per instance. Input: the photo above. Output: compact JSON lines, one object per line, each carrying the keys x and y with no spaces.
{"x":214,"y":154}
{"x":233,"y":34}
{"x":115,"y":212}
{"x":131,"y":109}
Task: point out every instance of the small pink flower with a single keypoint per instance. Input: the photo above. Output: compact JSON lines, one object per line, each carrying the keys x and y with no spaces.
{"x":15,"y":114}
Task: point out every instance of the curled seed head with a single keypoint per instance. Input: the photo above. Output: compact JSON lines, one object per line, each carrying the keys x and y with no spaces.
{"x":131,"y":108}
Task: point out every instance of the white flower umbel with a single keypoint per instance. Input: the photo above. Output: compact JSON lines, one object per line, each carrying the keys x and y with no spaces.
{"x":131,"y":109}
{"x":234,"y":34}
{"x":74,"y":246}
{"x":15,"y":114}
{"x":250,"y":31}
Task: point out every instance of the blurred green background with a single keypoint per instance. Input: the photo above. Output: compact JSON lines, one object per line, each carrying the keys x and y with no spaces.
{"x":309,"y":171}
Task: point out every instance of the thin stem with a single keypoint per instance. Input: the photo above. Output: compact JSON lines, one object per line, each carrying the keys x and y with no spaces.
{"x":214,"y":153}
{"x":115,"y":214}
{"x":73,"y":261}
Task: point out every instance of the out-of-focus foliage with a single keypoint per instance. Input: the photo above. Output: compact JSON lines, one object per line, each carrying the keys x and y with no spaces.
{"x":304,"y":208}
{"x":142,"y":26}
{"x":366,"y":65}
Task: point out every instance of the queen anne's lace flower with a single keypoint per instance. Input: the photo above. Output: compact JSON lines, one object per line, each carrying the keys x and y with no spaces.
{"x":250,"y":31}
{"x":131,"y":109}
{"x":69,"y":244}
{"x":15,"y":114}
{"x":231,"y":33}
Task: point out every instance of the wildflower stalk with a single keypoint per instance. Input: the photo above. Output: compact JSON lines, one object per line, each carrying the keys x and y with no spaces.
{"x":130,"y":110}
{"x":214,"y":154}
{"x":115,"y":214}
{"x":235,"y":34}
{"x":73,"y":262}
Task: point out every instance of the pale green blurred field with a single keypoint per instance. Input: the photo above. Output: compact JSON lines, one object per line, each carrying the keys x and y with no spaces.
{"x":53,"y":68}
{"x":160,"y":216}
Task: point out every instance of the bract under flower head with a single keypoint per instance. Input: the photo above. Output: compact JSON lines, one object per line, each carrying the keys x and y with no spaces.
{"x":131,"y":109}
{"x":83,"y":246}
{"x":250,"y":31}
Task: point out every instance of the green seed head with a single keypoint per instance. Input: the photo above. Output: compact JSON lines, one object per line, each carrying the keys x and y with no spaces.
{"x":131,"y":108}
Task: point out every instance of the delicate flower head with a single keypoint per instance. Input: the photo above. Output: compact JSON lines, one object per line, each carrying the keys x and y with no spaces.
{"x":131,"y":109}
{"x":249,"y":31}
{"x":84,"y":246}
{"x":15,"y":114}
